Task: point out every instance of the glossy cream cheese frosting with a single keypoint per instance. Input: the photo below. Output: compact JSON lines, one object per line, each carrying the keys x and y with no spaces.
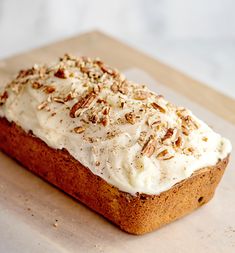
{"x":131,"y":137}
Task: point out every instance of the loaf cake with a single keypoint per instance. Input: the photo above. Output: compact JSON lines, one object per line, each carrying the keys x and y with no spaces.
{"x":119,"y":148}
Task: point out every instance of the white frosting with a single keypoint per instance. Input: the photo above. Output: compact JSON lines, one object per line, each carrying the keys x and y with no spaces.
{"x":115,"y":151}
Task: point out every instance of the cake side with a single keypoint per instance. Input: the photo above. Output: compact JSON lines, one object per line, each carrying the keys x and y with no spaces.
{"x":123,"y":132}
{"x":134,"y":214}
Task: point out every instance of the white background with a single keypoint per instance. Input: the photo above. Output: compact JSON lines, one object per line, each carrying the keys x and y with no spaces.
{"x":195,"y":36}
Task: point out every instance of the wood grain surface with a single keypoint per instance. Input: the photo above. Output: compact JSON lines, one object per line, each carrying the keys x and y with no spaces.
{"x":119,"y":55}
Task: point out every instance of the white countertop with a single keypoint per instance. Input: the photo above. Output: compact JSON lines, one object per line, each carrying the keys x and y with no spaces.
{"x":197,"y":36}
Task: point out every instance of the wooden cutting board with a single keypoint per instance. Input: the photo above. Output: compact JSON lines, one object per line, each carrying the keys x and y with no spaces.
{"x":36,"y":217}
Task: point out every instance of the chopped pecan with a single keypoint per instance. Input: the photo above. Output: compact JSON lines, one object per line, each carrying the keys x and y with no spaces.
{"x":179,"y":142}
{"x":3,"y":98}
{"x":61,"y":73}
{"x":123,"y":88}
{"x":49,"y":89}
{"x":85,"y":70}
{"x":156,"y":124}
{"x":94,"y":118}
{"x":79,"y":129}
{"x":130,"y":117}
{"x":205,"y":139}
{"x":42,"y":105}
{"x":188,"y":151}
{"x":106,"y":110}
{"x":97,"y":163}
{"x":36,"y":85}
{"x":101,"y":101}
{"x":97,"y":88}
{"x":169,"y":134}
{"x":149,"y":147}
{"x":105,"y":121}
{"x":82,"y":103}
{"x":158,"y":107}
{"x":165,"y":155}
{"x":188,"y":124}
{"x":185,"y":130}
{"x":141,"y":95}
{"x":25,"y":72}
{"x":114,"y":87}
{"x":58,"y":100}
{"x":70,"y":96}
{"x":106,"y":69}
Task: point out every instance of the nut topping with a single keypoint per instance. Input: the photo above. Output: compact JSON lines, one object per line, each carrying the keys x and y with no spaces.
{"x":158,"y":107}
{"x":3,"y":98}
{"x":82,"y":103}
{"x":42,"y":105}
{"x":179,"y":142}
{"x":36,"y":85}
{"x":168,"y":134}
{"x":79,"y":129}
{"x":58,"y":100}
{"x":149,"y":147}
{"x":97,"y":88}
{"x":122,"y":88}
{"x":205,"y":139}
{"x":114,"y":87}
{"x":165,"y":155}
{"x":94,"y":118}
{"x":106,"y":69}
{"x":61,"y":73}
{"x":106,"y":110}
{"x":141,"y":95}
{"x":105,"y":121}
{"x":188,"y":124}
{"x":130,"y":117}
{"x":49,"y":89}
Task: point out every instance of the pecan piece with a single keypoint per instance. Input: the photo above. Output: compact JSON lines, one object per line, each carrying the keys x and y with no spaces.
{"x":149,"y":147}
{"x":49,"y":89}
{"x":205,"y":139}
{"x":42,"y":105}
{"x":106,"y":110}
{"x":82,"y":103}
{"x":97,"y":88}
{"x":165,"y":155}
{"x":123,"y":88}
{"x":114,"y":87}
{"x":85,"y":70}
{"x":158,"y":107}
{"x":36,"y":85}
{"x":58,"y":100}
{"x":61,"y":73}
{"x":105,"y":121}
{"x":25,"y":72}
{"x":106,"y":69}
{"x":94,"y":118}
{"x":169,"y":133}
{"x":141,"y":95}
{"x":179,"y":142}
{"x":3,"y":98}
{"x":130,"y":117}
{"x":79,"y":129}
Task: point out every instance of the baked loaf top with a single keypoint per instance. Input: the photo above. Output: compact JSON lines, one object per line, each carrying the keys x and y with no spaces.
{"x":131,"y":137}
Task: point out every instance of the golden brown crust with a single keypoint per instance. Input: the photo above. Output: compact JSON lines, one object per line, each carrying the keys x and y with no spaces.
{"x":134,"y":214}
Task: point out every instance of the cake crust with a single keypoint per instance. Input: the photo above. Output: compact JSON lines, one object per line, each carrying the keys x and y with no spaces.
{"x":134,"y":214}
